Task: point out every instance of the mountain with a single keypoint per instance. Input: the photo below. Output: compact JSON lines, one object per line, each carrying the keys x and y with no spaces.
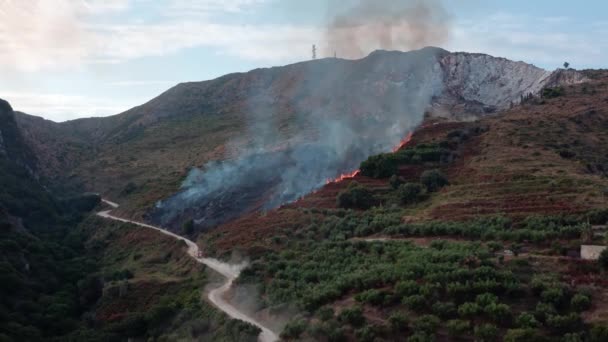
{"x":347,"y":109}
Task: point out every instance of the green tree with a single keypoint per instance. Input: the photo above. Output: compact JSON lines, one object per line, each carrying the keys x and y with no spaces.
{"x":433,"y":180}
{"x":603,"y":259}
{"x":355,"y":196}
{"x":427,"y":324}
{"x":410,"y":192}
{"x":486,"y":333}
{"x":458,"y":328}
{"x":580,"y":302}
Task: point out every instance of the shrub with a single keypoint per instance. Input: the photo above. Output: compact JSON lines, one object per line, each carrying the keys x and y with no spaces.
{"x":603,"y":259}
{"x":598,"y":333}
{"x":433,"y":180}
{"x":294,"y":329}
{"x":444,"y":309}
{"x":526,"y":320}
{"x":355,"y":196}
{"x":457,"y":327}
{"x":468,"y":310}
{"x":572,"y":337}
{"x":398,"y":321}
{"x":550,"y":93}
{"x":395,"y":181}
{"x":486,"y":299}
{"x":373,"y":297}
{"x":553,"y":295}
{"x":521,"y":335}
{"x":421,"y":337}
{"x":427,"y":324}
{"x":544,"y":311}
{"x":325,"y":314}
{"x":563,"y":324}
{"x":486,"y":333}
{"x":498,"y":312}
{"x":580,"y":302}
{"x":415,"y":302}
{"x":352,"y":316}
{"x":410,"y":192}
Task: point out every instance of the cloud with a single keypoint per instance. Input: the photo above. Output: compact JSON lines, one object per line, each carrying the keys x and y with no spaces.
{"x":61,"y":107}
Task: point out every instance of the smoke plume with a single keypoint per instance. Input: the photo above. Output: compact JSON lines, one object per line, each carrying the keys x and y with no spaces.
{"x":310,"y":122}
{"x":388,"y":25}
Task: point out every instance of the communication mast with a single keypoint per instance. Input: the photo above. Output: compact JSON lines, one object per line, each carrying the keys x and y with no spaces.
{"x":314,"y":51}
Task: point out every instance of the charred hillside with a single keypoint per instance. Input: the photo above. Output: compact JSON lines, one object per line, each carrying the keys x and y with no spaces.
{"x":334,"y":110}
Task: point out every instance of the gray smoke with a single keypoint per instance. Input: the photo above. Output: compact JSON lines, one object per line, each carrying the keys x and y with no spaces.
{"x":310,"y":122}
{"x":388,"y":25}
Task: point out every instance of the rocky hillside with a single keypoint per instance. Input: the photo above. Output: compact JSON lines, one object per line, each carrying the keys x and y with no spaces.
{"x":352,"y":108}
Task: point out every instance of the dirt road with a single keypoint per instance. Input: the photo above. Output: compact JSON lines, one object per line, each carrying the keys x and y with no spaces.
{"x":229,"y":271}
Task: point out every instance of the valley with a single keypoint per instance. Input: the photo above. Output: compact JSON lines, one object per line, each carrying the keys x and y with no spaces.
{"x":419,"y":196}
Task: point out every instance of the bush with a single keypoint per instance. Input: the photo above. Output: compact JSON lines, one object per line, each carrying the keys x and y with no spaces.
{"x":352,"y":316}
{"x":433,"y":180}
{"x":444,"y":309}
{"x":468,"y":310}
{"x":598,"y":333}
{"x":563,"y":324}
{"x":373,"y":297}
{"x":521,"y":335}
{"x":415,"y":302}
{"x":486,"y":333}
{"x":325,"y":314}
{"x":410,"y":192}
{"x":458,"y":328}
{"x":395,"y":181}
{"x":427,"y":324}
{"x":398,"y":321}
{"x":355,"y":196}
{"x":580,"y":302}
{"x":421,"y":337}
{"x":603,"y":259}
{"x":550,"y":93}
{"x":294,"y":329}
{"x":526,"y":320}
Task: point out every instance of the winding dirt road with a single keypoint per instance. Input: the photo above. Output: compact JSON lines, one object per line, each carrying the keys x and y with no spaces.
{"x":229,"y":271}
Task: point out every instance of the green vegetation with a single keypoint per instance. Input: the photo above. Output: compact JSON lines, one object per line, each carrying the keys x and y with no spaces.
{"x":433,"y":180}
{"x":355,"y":196}
{"x":549,"y":93}
{"x":385,"y":165}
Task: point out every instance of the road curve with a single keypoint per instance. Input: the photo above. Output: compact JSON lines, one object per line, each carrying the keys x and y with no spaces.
{"x":229,"y":271}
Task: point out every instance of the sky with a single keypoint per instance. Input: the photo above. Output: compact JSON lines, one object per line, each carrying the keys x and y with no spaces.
{"x":67,"y":59}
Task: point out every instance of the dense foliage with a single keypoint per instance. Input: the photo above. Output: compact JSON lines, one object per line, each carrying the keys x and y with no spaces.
{"x":386,"y":165}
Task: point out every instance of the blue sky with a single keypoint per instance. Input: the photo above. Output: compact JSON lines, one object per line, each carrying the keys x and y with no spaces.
{"x":65,"y":59}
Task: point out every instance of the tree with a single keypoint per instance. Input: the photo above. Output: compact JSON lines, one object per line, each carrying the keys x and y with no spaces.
{"x":352,"y":316}
{"x":580,"y":302}
{"x":410,"y":192}
{"x":398,"y":321}
{"x":355,"y":196}
{"x":566,"y":65}
{"x":395,"y":181}
{"x":486,"y":333}
{"x":433,"y":180}
{"x":458,"y":327}
{"x":427,"y":324}
{"x":603,"y":259}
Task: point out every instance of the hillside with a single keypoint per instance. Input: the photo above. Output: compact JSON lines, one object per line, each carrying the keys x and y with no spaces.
{"x":472,"y":230}
{"x":341,"y":110}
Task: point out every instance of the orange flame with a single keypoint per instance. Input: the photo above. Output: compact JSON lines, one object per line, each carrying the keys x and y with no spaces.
{"x":344,"y":176}
{"x":403,"y":142}
{"x":355,"y":173}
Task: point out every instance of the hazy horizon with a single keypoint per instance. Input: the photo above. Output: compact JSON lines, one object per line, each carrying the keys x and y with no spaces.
{"x":70,"y":59}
